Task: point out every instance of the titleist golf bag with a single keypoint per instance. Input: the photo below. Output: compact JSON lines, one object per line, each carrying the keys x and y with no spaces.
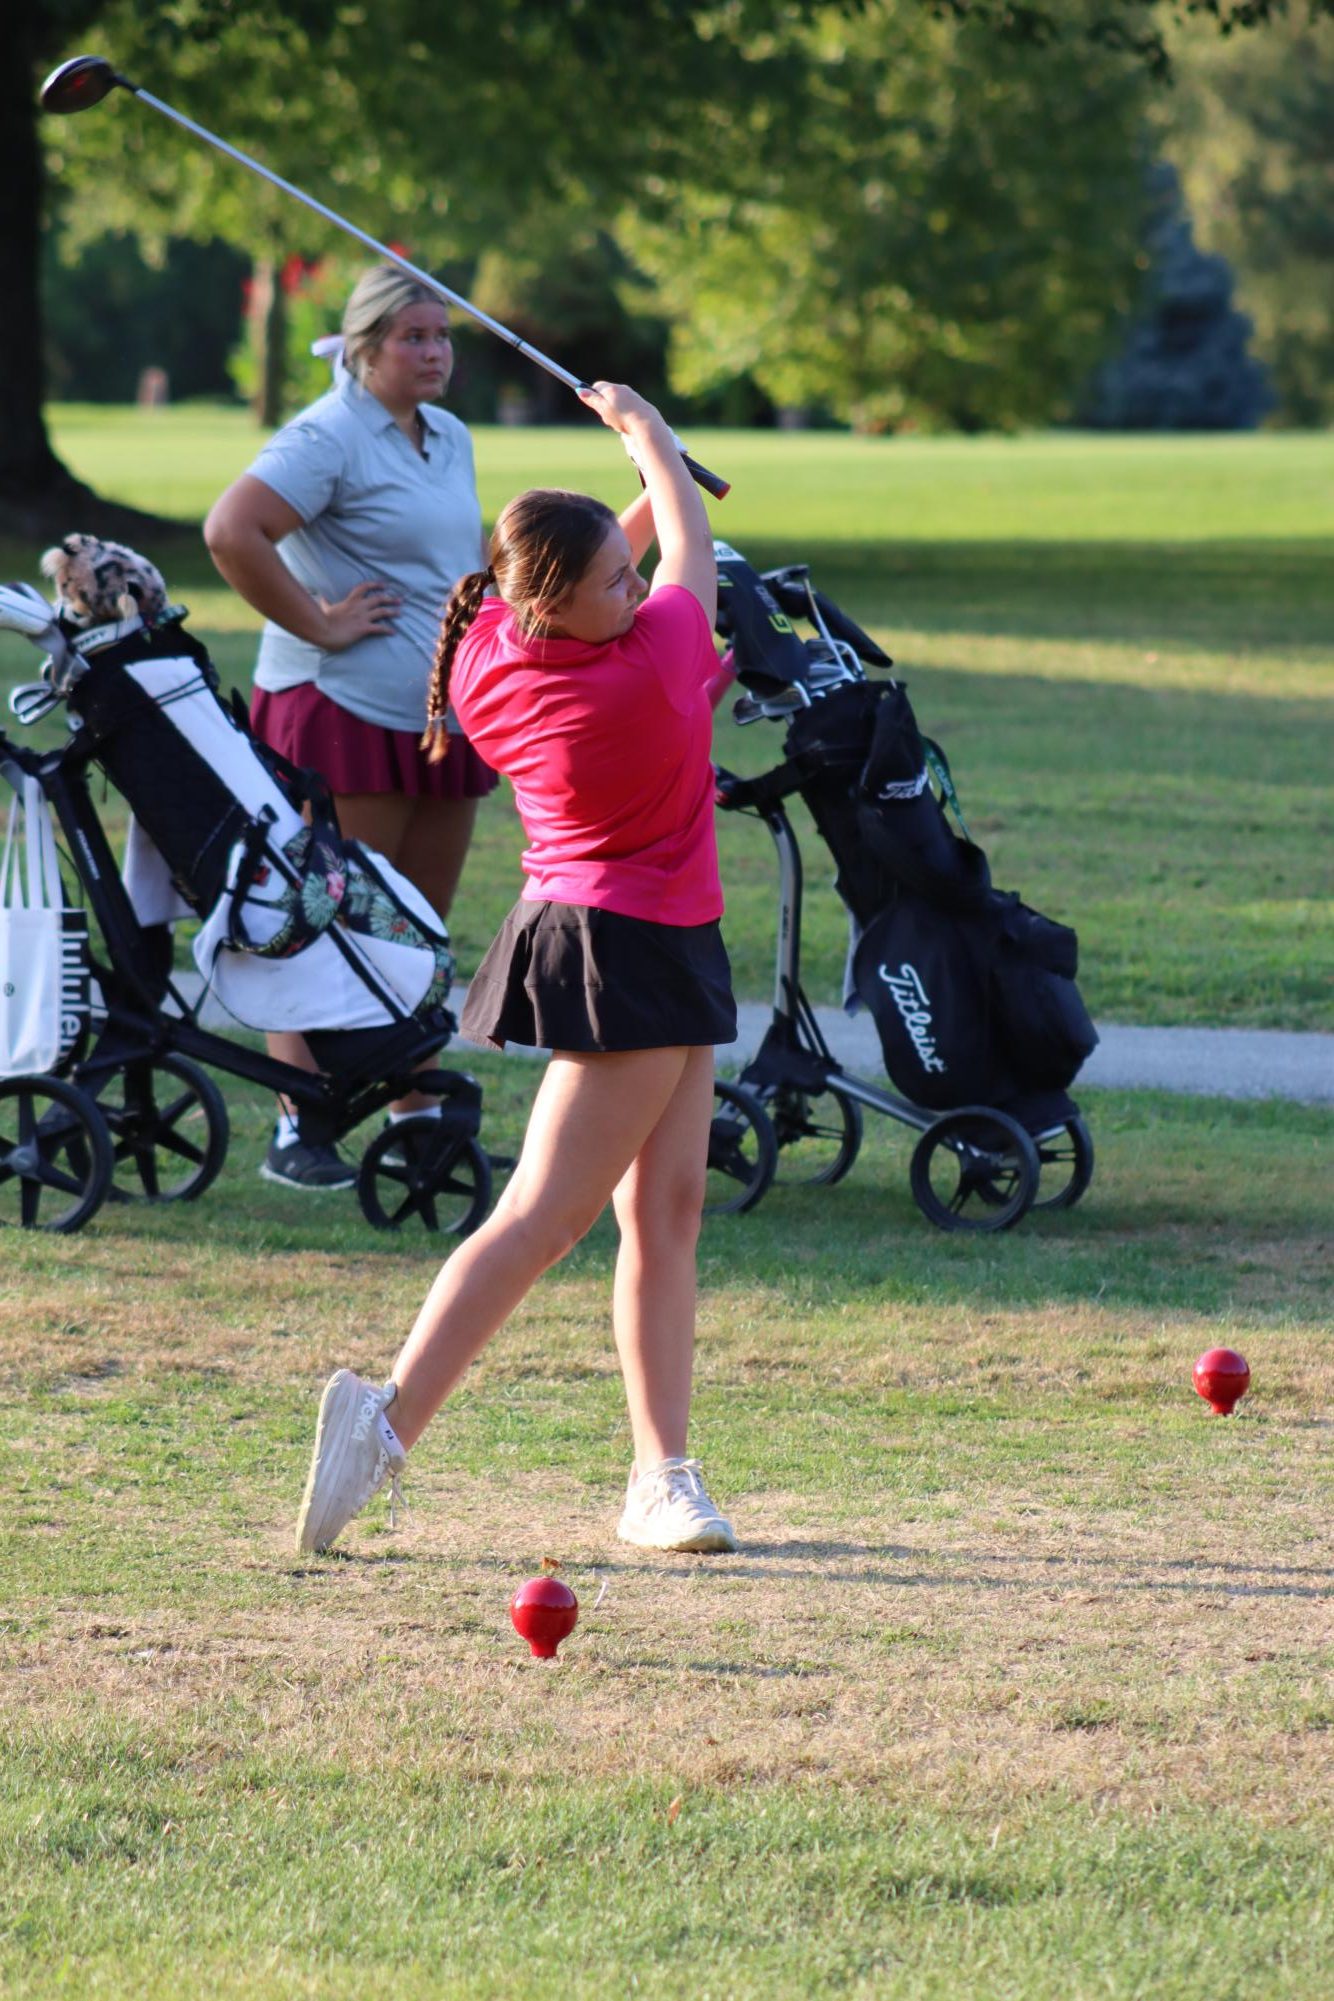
{"x":972,"y":992}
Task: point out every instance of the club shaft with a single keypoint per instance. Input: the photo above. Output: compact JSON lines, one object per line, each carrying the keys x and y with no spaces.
{"x":504,"y":333}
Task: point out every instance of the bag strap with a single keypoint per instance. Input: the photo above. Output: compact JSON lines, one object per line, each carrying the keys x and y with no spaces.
{"x":30,"y":866}
{"x":303,"y":785}
{"x":7,"y":900}
{"x":43,"y":858}
{"x":940,"y":771}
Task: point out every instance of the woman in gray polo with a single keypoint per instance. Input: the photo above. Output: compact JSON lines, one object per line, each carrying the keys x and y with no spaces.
{"x":348,"y":533}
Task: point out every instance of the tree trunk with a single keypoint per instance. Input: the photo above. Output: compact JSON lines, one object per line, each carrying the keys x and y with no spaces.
{"x":39,"y":497}
{"x":268,"y":334}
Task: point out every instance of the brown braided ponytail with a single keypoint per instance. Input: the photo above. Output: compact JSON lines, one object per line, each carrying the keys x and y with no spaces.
{"x":540,"y":547}
{"x":465,"y":601}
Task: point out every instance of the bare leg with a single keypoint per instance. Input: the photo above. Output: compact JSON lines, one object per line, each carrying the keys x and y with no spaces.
{"x":286,"y":1046}
{"x":380,"y":819}
{"x":658,"y":1203}
{"x":591,"y":1117}
{"x":435,"y":845}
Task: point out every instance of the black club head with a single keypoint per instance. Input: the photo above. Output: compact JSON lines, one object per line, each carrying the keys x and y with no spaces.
{"x":79,"y":84}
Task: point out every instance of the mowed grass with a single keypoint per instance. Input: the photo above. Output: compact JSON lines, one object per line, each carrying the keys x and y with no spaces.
{"x":1123,"y":643}
{"x":1020,"y":1686}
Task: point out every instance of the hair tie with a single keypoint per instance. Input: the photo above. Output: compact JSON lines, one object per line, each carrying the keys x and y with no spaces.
{"x":489,"y":574}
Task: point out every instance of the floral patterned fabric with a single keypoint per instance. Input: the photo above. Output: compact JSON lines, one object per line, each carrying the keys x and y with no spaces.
{"x":339,"y":882}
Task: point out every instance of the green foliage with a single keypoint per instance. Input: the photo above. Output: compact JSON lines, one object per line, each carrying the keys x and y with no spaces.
{"x":108,"y":315}
{"x":1251,"y":126}
{"x":315,"y":299}
{"x":931,"y":227}
{"x":1184,"y":365}
{"x":863,"y":207}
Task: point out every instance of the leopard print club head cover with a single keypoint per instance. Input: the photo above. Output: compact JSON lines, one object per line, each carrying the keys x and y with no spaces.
{"x":99,"y":582}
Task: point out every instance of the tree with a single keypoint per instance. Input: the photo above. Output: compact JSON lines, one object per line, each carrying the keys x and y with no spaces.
{"x":1251,"y":128}
{"x":180,"y":316}
{"x":1184,"y":365}
{"x":935,"y":232}
{"x":446,"y":120}
{"x":37,"y":493}
{"x":276,"y":80}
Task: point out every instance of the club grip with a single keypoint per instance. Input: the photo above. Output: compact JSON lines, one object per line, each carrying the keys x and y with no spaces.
{"x":712,"y":482}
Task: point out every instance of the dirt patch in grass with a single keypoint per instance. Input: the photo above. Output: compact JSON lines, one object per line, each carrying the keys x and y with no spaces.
{"x":974,"y":1662}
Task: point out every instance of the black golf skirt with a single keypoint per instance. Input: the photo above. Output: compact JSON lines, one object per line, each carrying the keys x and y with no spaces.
{"x":560,"y":976}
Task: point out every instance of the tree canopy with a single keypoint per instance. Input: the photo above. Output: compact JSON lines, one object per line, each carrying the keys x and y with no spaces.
{"x":937,"y":230}
{"x":905,"y":210}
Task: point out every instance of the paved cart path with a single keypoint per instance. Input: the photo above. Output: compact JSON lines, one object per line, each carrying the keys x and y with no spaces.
{"x":1217,"y":1062}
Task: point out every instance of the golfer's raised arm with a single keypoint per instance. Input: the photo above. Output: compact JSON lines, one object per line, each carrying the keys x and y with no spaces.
{"x":685,"y":538}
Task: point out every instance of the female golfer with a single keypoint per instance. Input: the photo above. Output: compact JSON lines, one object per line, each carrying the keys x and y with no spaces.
{"x":348,"y":532}
{"x":593,"y":693}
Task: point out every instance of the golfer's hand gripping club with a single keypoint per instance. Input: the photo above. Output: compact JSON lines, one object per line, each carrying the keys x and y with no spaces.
{"x":83,"y":81}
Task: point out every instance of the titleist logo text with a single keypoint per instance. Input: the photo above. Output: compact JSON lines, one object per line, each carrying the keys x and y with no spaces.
{"x":910,"y":998}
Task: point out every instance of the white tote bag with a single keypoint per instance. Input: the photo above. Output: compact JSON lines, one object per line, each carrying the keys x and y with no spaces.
{"x":32,"y":907}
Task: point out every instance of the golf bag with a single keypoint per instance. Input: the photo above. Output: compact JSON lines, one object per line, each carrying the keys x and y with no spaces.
{"x":301,"y":927}
{"x":972,"y":992}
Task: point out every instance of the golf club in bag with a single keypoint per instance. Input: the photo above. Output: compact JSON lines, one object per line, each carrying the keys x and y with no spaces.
{"x":84,"y":81}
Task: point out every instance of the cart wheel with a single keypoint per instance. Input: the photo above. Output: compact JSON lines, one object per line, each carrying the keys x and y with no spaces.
{"x":169,"y":1129}
{"x":1065,"y":1156}
{"x":819,"y":1133}
{"x":421,"y":1167}
{"x":975,"y":1169}
{"x":743,"y":1152}
{"x":55,"y":1154}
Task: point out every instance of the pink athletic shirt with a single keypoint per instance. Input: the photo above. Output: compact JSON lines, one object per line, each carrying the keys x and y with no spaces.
{"x":608,"y":750}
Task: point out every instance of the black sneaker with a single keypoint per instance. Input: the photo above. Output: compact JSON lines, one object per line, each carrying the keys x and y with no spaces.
{"x":297,"y":1165}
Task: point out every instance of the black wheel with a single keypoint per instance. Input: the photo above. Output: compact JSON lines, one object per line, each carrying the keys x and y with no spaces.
{"x":55,"y":1154}
{"x":743,"y":1152}
{"x":169,"y":1129}
{"x":819,"y":1133}
{"x":421,"y":1168}
{"x":1065,"y":1156}
{"x":974,"y":1169}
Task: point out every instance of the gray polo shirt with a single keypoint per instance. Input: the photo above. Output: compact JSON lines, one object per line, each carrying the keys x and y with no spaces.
{"x":373,"y":508}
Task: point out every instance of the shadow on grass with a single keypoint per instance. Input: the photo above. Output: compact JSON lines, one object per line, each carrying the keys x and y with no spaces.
{"x":1234,"y":596}
{"x":1055,"y":736}
{"x":987,"y":1571}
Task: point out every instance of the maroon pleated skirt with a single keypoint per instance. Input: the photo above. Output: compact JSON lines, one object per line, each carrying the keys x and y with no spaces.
{"x":354,"y":756}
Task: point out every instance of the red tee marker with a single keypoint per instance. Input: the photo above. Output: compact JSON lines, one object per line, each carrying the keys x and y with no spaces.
{"x":544,"y":1611}
{"x":1222,"y":1377}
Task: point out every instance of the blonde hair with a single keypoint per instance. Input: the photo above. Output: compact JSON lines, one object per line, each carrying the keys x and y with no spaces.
{"x":378,"y":297}
{"x":541,"y":546}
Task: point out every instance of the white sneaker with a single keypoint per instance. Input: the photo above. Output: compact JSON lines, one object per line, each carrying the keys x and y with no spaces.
{"x":667,"y":1507}
{"x":355,"y":1450}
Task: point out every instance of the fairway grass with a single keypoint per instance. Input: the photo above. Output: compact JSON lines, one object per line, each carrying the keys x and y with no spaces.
{"x":1020,"y":1686}
{"x":1123,"y":643}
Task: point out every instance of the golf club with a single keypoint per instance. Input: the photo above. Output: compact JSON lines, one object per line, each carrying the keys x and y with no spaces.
{"x":84,"y":81}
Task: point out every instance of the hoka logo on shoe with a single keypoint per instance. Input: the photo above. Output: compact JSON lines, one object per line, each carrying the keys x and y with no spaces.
{"x":366,"y":1416}
{"x":913,"y":1004}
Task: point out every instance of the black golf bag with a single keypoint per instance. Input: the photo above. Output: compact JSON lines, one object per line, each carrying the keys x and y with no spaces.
{"x":972,"y":992}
